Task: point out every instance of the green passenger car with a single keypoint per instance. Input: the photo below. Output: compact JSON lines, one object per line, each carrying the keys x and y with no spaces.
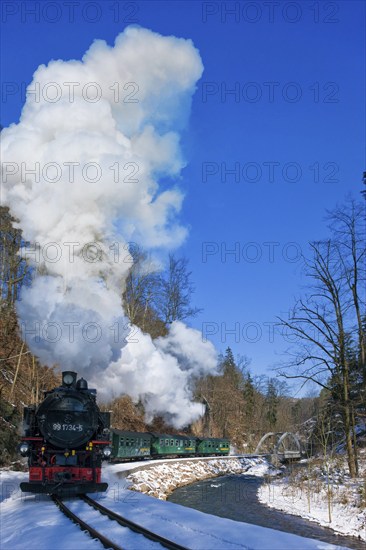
{"x":213,"y":446}
{"x":177,"y":445}
{"x":130,"y":444}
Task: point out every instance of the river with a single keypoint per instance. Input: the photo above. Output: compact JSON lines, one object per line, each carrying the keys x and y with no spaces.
{"x":235,"y":497}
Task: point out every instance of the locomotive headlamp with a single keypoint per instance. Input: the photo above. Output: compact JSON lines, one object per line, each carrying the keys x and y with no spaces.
{"x":107,"y":451}
{"x":68,"y":378}
{"x":24,"y":448}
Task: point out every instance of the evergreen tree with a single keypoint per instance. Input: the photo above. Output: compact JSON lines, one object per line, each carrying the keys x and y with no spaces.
{"x":249,"y":394}
{"x":271,"y":404}
{"x":230,"y":369}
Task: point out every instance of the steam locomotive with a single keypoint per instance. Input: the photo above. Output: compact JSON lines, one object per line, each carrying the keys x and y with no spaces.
{"x":65,"y":439}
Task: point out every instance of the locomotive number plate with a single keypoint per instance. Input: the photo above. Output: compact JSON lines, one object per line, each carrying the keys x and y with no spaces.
{"x":67,"y":427}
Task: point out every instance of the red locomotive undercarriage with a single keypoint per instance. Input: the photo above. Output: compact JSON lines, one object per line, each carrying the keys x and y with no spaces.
{"x":66,"y":473}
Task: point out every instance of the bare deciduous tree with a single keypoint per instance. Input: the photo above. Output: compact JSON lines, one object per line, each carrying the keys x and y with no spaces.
{"x":175,"y":292}
{"x":326,"y":319}
{"x":140,"y":294}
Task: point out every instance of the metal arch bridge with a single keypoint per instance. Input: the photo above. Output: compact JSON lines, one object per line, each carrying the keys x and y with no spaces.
{"x":285,"y":445}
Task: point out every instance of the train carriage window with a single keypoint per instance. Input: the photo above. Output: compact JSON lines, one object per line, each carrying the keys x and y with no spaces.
{"x":161,"y":442}
{"x":172,"y":442}
{"x":127,"y":442}
{"x":122,"y":441}
{"x":167,"y":442}
{"x":176,"y":443}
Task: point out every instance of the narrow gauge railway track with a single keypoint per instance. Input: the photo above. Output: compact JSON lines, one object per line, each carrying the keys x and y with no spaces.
{"x":133,"y":526}
{"x":107,"y":543}
{"x":85,"y":526}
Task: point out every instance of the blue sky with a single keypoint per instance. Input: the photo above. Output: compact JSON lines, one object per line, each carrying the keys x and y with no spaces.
{"x":293,"y":128}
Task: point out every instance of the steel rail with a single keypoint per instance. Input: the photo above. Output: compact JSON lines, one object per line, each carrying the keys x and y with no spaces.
{"x":107,"y":543}
{"x":133,"y":526}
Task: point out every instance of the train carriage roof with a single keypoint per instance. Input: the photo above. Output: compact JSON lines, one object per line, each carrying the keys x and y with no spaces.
{"x":126,"y":433}
{"x":173,"y":436}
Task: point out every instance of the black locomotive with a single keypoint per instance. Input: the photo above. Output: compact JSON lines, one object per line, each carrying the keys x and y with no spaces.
{"x":66,"y":438}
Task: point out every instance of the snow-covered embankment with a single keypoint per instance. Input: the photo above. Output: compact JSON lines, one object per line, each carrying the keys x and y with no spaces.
{"x":161,"y":479}
{"x":338,"y":506}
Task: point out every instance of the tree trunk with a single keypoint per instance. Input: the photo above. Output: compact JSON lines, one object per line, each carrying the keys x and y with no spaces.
{"x":348,"y":430}
{"x":16,"y":371}
{"x":354,"y":438}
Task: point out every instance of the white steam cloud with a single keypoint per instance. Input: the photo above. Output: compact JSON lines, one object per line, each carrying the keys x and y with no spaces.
{"x":81,"y":167}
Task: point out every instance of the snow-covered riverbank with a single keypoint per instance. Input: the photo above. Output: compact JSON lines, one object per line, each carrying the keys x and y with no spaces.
{"x":161,"y":479}
{"x":337,"y":505}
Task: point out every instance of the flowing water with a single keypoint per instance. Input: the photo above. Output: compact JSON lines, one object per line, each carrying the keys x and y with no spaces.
{"x":235,"y":497}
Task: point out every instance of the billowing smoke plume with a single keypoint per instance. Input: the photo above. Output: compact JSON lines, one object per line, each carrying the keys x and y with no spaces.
{"x":80,"y":173}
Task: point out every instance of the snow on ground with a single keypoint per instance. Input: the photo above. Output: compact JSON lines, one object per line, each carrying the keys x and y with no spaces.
{"x":308,"y":494}
{"x":34,"y":522}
